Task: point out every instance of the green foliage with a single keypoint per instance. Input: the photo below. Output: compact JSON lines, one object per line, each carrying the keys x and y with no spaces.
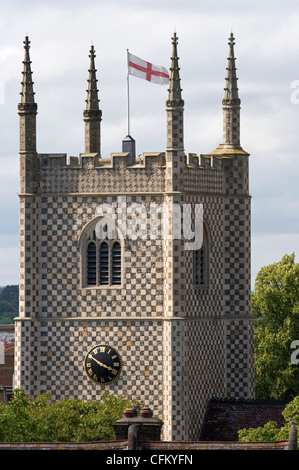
{"x":69,"y":420}
{"x":261,"y":434}
{"x":275,"y":306}
{"x":271,"y":431}
{"x":9,"y":304}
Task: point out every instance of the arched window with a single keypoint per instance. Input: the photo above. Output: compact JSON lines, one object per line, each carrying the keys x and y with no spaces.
{"x":101,"y":259}
{"x":201,"y":262}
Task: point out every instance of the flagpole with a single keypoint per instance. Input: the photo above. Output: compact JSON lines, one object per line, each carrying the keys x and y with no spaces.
{"x":128,"y":92}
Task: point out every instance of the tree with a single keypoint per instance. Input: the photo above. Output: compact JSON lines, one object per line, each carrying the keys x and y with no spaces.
{"x":271,"y":431}
{"x":275,"y":306}
{"x":9,"y":303}
{"x":69,"y":420}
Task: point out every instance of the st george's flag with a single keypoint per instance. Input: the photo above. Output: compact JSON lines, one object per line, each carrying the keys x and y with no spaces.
{"x":150,"y":72}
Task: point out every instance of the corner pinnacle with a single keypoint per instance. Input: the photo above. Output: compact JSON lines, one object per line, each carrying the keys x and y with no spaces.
{"x":27,"y":93}
{"x":174,"y":96}
{"x":92,"y":101}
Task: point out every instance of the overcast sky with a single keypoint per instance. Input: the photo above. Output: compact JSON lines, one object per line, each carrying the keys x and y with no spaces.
{"x":61,"y":33}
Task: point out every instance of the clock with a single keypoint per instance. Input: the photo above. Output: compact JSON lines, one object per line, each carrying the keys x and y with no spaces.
{"x":102,"y":364}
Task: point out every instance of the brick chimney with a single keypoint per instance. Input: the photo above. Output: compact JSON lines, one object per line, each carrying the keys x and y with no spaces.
{"x":138,"y":429}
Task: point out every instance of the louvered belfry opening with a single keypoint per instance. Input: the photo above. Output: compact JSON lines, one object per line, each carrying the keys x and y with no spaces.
{"x":91,"y":264}
{"x":103,"y":262}
{"x":116,"y":264}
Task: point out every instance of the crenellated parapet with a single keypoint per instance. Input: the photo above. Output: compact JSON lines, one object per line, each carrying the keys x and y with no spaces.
{"x":91,"y":174}
{"x":93,"y":161}
{"x":203,"y":173}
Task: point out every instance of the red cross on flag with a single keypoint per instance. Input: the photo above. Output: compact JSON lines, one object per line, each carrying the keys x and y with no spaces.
{"x":150,"y":72}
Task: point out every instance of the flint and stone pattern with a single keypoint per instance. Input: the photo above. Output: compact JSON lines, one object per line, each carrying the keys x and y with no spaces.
{"x":181,"y":344}
{"x":175,"y":366}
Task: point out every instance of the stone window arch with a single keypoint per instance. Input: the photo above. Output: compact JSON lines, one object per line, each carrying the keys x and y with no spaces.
{"x":101,"y":255}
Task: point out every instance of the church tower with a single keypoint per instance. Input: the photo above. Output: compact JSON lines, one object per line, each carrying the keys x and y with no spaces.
{"x":135,"y":273}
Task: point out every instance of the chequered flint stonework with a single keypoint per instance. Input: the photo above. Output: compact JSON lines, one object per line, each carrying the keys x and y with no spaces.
{"x":57,"y":364}
{"x":180,"y":344}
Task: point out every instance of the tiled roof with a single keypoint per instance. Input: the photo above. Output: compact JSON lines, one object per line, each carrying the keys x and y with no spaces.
{"x":224,"y":418}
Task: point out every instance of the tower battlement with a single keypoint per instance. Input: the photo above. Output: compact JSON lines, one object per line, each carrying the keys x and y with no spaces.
{"x":117,"y":160}
{"x":204,"y":173}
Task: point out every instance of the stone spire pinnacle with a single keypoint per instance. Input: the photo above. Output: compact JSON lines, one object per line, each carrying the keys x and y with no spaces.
{"x":27,"y":93}
{"x":27,"y":108}
{"x":92,"y":101}
{"x":174,"y":96}
{"x":92,"y":114}
{"x":231,"y":88}
{"x":231,"y":105}
{"x":231,"y":102}
{"x":175,"y":154}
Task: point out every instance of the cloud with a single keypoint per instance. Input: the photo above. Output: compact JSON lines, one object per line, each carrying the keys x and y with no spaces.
{"x":61,"y":32}
{"x":268,"y":248}
{"x":9,"y":260}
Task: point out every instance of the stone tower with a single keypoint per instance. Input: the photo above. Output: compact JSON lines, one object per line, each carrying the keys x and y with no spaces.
{"x":107,"y":257}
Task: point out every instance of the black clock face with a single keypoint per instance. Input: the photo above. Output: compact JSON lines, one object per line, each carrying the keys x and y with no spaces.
{"x":102,"y":364}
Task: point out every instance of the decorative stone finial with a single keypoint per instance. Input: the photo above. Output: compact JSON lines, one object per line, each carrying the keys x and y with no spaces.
{"x":231,"y":102}
{"x":92,"y":101}
{"x":92,"y":115}
{"x":174,"y":96}
{"x":231,"y":88}
{"x":27,"y":93}
{"x":27,"y":110}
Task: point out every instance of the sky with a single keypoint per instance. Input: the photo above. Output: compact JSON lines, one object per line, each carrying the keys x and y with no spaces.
{"x":61,"y":33}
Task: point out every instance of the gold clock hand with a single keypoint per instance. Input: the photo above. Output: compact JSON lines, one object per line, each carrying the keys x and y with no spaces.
{"x":101,"y":364}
